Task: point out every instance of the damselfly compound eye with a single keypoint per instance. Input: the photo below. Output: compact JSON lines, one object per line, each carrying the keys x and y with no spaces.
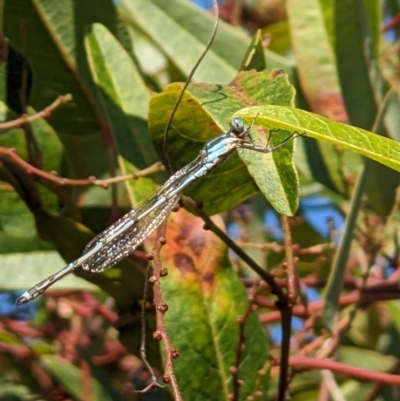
{"x":237,"y":125}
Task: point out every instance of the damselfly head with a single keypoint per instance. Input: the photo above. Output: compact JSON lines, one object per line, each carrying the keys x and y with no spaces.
{"x":237,"y":126}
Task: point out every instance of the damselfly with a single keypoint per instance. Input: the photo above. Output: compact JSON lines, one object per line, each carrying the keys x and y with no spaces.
{"x":121,"y":238}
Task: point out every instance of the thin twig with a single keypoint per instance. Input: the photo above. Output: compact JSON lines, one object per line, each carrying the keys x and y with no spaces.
{"x":286,"y":322}
{"x":310,"y":363}
{"x":188,"y":80}
{"x":62,"y":181}
{"x":350,"y":283}
{"x":45,"y":113}
{"x":143,"y":355}
{"x":286,"y":310}
{"x":240,"y":345}
{"x":371,"y":294}
{"x":292,"y":283}
{"x":265,"y":246}
{"x":161,"y":308}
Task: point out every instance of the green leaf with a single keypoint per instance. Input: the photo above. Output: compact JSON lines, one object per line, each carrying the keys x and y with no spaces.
{"x":381,"y":189}
{"x":255,"y":56}
{"x":210,"y":108}
{"x":366,"y":143}
{"x":364,"y":83}
{"x":204,"y":316}
{"x":124,"y":101}
{"x":279,"y":32}
{"x":123,"y":94}
{"x":319,"y":81}
{"x":53,"y":43}
{"x":352,"y":36}
{"x":316,"y":62}
{"x":34,"y":267}
{"x":60,"y":32}
{"x":182,"y":31}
